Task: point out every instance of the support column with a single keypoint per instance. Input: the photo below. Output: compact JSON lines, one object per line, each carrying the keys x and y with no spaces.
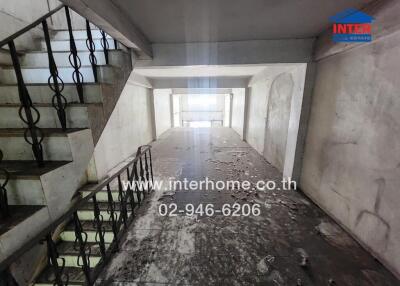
{"x":298,"y":123}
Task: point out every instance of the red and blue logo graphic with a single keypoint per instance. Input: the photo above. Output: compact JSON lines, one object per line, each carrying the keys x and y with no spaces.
{"x":351,"y":25}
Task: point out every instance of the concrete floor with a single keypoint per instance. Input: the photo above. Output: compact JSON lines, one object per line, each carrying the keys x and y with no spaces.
{"x":292,"y":242}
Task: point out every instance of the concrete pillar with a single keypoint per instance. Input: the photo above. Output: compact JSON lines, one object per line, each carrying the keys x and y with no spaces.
{"x":246,"y":113}
{"x":299,"y":116}
{"x":153,"y":116}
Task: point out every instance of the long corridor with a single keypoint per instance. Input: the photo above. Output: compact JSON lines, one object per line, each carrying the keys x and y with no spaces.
{"x":291,"y":242}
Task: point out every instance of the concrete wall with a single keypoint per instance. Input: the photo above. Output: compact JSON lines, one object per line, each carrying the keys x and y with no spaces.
{"x":162,"y":110}
{"x":351,"y":162}
{"x":238,"y":102}
{"x":15,"y":15}
{"x":129,"y":126}
{"x":275,"y":99}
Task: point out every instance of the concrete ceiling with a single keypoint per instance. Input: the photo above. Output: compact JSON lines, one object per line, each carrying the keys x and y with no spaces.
{"x":176,"y":21}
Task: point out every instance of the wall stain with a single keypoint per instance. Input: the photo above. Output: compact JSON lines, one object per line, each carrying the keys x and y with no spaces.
{"x":364,"y":213}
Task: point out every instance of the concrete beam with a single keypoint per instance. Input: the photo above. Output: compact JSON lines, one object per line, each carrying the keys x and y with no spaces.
{"x":200,"y":82}
{"x":201,"y":90}
{"x":230,"y":53}
{"x":106,"y":15}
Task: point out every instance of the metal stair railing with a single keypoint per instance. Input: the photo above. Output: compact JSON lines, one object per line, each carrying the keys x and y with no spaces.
{"x":28,"y":113}
{"x":138,"y":171}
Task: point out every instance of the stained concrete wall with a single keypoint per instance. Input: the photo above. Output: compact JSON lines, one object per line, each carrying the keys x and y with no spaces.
{"x":162,"y":110}
{"x":351,"y":162}
{"x":238,"y":102}
{"x":129,"y":126}
{"x":275,"y":98}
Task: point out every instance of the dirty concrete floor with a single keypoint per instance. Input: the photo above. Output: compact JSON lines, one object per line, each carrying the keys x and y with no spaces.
{"x":292,"y":242}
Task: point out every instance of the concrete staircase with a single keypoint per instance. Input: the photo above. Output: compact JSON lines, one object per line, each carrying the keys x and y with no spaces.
{"x":39,"y":195}
{"x":67,"y":246}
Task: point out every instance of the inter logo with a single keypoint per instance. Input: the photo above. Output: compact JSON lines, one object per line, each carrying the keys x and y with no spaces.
{"x":351,"y":25}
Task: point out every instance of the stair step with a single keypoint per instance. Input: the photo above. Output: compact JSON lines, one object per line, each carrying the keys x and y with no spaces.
{"x":105,"y":74}
{"x":89,"y":226}
{"x":25,"y":186}
{"x":56,"y":145}
{"x":63,"y":45}
{"x":102,"y":196}
{"x":41,"y":93}
{"x":67,"y":248}
{"x":77,"y":116}
{"x":88,"y":215}
{"x":19,"y":214}
{"x":40,"y":58}
{"x":76,"y":277}
{"x":22,"y":169}
{"x":80,"y":35}
{"x":69,"y":235}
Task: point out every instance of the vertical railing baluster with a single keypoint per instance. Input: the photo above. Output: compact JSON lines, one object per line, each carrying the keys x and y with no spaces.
{"x":130,"y":190}
{"x":147,"y":172}
{"x":4,"y":212}
{"x":141,"y":172}
{"x":105,"y":45}
{"x":53,"y":256}
{"x":111,"y":211}
{"x":92,"y":48}
{"x":151,"y":169}
{"x":100,"y":230}
{"x":122,"y":200}
{"x":81,"y":238}
{"x":30,"y":111}
{"x":58,"y":101}
{"x":138,"y":186}
{"x":74,"y":59}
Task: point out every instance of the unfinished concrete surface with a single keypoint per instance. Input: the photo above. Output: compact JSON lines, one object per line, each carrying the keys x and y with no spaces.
{"x":292,"y":242}
{"x":352,"y":152}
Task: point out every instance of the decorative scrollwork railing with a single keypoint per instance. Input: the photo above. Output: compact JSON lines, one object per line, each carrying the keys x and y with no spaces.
{"x":55,"y":82}
{"x":53,"y":258}
{"x":28,"y":112}
{"x":74,"y":59}
{"x":92,"y":49}
{"x":105,"y":45}
{"x":119,"y":223}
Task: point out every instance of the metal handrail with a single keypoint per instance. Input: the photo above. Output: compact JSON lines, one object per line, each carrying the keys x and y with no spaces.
{"x":30,"y":26}
{"x":77,"y":204}
{"x":28,"y":113}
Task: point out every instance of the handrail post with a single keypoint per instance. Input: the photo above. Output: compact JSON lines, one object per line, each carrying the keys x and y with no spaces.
{"x":3,"y":191}
{"x":81,"y":238}
{"x":111,"y":212}
{"x":53,"y":256}
{"x":137,"y":179}
{"x":75,"y":61}
{"x":59,"y":102}
{"x":100,"y":230}
{"x":151,"y":168}
{"x":123,"y":198}
{"x":130,"y":190}
{"x":104,"y":44}
{"x":27,"y":106}
{"x":92,"y":48}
